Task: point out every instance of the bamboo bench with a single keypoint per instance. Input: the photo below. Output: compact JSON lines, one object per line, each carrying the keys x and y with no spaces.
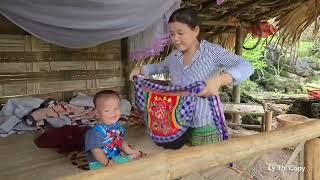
{"x":253,"y":109}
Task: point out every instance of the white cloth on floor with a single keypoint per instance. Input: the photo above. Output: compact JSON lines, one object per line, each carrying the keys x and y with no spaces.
{"x":20,"y":106}
{"x":22,"y":126}
{"x":82,"y":100}
{"x":8,"y":134}
{"x":85,"y":100}
{"x":13,"y":111}
{"x":7,"y":123}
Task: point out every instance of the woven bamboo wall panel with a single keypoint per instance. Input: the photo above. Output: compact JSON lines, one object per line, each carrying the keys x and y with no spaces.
{"x":21,"y":56}
{"x":27,"y":43}
{"x":58,"y":66}
{"x":14,"y":89}
{"x":15,"y":67}
{"x":30,"y":66}
{"x":114,"y":82}
{"x":20,"y":89}
{"x":50,"y":87}
{"x":92,"y":92}
{"x":13,"y":43}
{"x":67,"y":75}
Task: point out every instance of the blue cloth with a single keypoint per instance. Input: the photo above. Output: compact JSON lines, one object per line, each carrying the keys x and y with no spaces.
{"x":107,"y":137}
{"x":118,"y":159}
{"x":208,"y":60}
{"x":95,"y":165}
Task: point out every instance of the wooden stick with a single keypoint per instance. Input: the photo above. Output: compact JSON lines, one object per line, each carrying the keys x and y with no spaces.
{"x":175,"y":164}
{"x":263,"y":124}
{"x":312,"y":159}
{"x":268,"y":121}
{"x":301,"y":163}
{"x":245,"y":125}
{"x":295,"y":153}
{"x":243,"y":108}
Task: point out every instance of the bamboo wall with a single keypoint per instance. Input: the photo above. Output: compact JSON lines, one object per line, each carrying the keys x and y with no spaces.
{"x":29,"y":66}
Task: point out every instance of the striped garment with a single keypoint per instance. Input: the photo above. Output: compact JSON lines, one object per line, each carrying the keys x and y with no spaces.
{"x":208,"y":60}
{"x":185,"y":109}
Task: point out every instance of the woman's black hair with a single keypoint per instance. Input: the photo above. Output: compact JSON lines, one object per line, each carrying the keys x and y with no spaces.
{"x":186,"y":16}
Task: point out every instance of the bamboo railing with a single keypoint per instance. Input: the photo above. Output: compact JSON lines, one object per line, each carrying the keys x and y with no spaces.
{"x":174,"y":164}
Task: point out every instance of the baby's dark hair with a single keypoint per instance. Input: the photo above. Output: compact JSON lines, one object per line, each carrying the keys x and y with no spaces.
{"x":105,"y":94}
{"x":186,"y":16}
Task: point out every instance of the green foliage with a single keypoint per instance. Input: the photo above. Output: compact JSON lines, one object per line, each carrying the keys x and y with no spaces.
{"x":249,"y":86}
{"x":255,"y":56}
{"x":304,"y":48}
{"x":314,"y":50}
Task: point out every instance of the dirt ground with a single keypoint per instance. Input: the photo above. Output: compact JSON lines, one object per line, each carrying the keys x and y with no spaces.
{"x":272,"y":166}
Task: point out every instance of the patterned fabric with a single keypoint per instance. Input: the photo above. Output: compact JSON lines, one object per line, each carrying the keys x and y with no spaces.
{"x":59,"y":114}
{"x":204,"y":135}
{"x":208,"y":61}
{"x":163,"y":117}
{"x":183,"y":109}
{"x":113,"y":138}
{"x":107,"y":137}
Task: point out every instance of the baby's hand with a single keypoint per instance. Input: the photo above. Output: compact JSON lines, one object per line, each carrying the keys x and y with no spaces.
{"x":111,"y":163}
{"x":135,"y":154}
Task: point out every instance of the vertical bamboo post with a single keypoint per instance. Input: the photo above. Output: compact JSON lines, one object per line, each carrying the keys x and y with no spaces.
{"x":268,"y":121}
{"x":312,"y":159}
{"x":126,"y":69}
{"x":301,"y":163}
{"x":236,"y":89}
{"x":263,"y":123}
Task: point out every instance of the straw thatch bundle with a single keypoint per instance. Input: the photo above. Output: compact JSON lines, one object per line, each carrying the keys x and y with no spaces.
{"x":292,"y":24}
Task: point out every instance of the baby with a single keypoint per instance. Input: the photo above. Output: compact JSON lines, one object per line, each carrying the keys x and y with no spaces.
{"x":105,"y":141}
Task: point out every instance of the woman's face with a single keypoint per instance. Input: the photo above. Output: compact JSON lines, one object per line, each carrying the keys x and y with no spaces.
{"x":182,"y":36}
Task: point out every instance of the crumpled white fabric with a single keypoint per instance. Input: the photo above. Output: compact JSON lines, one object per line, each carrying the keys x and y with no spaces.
{"x":84,"y":23}
{"x":13,"y":111}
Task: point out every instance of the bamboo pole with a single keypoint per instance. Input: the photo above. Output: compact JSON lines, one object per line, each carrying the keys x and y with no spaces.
{"x":236,"y":89}
{"x":174,"y":164}
{"x":268,"y":121}
{"x":125,"y":67}
{"x":244,"y":125}
{"x":301,"y":163}
{"x":312,"y":159}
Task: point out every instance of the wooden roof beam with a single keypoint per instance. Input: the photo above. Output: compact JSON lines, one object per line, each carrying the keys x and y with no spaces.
{"x":220,"y":23}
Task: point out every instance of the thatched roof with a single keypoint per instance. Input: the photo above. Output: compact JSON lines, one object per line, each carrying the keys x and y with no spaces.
{"x":292,"y":17}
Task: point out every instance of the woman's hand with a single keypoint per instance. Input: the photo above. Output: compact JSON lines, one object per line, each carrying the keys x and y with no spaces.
{"x":135,"y":72}
{"x":214,"y":84}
